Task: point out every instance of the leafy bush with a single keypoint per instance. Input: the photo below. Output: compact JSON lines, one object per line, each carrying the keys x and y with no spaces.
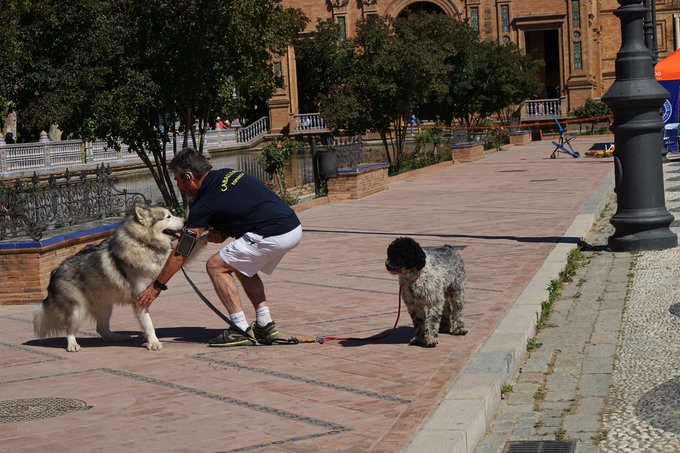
{"x":496,"y":138}
{"x":592,"y":108}
{"x":430,"y":136}
{"x":273,"y":158}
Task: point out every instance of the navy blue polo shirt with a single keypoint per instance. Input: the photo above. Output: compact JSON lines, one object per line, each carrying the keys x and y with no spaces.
{"x":236,"y":203}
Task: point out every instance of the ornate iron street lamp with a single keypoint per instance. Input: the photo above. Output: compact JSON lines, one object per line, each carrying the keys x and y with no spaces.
{"x":641,"y":221}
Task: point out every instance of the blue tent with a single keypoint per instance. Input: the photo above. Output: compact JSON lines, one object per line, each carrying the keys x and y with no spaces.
{"x":667,"y":73}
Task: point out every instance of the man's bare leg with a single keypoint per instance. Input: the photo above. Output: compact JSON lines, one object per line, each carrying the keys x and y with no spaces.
{"x":221,"y":275}
{"x":254,"y":288}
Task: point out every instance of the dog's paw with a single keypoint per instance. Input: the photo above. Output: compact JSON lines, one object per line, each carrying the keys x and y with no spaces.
{"x":430,"y":343}
{"x":71,"y":344}
{"x":460,"y":331}
{"x":154,"y":345}
{"x":415,"y":341}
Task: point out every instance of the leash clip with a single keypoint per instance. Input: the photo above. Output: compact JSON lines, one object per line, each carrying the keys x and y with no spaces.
{"x":321,"y":339}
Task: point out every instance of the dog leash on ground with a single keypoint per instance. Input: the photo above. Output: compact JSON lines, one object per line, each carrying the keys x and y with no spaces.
{"x":217,"y":312}
{"x":322,"y":340}
{"x":291,"y":340}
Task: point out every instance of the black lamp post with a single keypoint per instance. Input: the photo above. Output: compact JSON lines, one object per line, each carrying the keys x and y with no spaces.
{"x":650,"y":29}
{"x":641,"y":221}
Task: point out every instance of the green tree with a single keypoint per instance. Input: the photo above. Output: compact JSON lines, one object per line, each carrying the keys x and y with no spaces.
{"x":10,"y":53}
{"x":488,"y":77}
{"x":422,"y":62}
{"x":376,"y":79}
{"x":142,"y":73}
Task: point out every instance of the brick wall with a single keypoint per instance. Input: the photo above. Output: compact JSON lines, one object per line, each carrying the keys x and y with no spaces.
{"x":26,"y":271}
{"x":467,"y":152}
{"x":356,"y":185}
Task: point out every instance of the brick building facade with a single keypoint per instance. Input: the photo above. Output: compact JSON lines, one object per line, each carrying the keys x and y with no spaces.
{"x":577,"y":39}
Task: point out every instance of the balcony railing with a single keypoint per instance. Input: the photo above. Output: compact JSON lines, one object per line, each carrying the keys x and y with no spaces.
{"x":543,"y":108}
{"x":308,"y":122}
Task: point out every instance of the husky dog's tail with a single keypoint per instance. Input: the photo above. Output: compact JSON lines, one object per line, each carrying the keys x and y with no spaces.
{"x":46,"y":322}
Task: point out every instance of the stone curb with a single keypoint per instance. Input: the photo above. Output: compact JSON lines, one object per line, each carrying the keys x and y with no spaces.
{"x":458,"y":424}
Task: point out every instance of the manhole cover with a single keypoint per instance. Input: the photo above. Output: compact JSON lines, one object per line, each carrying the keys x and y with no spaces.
{"x":659,"y":406}
{"x":22,"y":410}
{"x":539,"y":446}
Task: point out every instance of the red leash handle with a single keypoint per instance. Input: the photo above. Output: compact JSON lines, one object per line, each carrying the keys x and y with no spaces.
{"x":322,"y":340}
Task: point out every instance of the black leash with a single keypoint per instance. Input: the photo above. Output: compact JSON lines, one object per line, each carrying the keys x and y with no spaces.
{"x":217,"y":312}
{"x":291,"y":340}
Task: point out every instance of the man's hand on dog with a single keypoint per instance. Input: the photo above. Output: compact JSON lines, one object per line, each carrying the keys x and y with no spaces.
{"x":176,"y":261}
{"x":147,"y":296}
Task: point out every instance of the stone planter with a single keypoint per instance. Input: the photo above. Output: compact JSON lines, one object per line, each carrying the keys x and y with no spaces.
{"x":467,"y":152}
{"x":520,"y":138}
{"x":356,"y":183}
{"x":26,"y":266}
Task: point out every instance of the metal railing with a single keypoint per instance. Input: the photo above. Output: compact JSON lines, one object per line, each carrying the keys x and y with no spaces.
{"x":350,"y":151}
{"x":543,"y":108}
{"x":28,"y":209}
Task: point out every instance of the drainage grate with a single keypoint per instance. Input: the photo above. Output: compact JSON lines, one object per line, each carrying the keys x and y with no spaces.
{"x":539,"y":446}
{"x":27,"y":409}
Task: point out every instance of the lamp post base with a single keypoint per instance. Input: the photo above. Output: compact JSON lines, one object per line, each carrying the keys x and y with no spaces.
{"x":659,"y":238}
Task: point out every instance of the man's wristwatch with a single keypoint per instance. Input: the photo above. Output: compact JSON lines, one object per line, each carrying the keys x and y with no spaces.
{"x":159,"y":285}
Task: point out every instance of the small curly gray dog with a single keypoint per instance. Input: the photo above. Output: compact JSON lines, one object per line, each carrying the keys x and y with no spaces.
{"x":433,"y":283}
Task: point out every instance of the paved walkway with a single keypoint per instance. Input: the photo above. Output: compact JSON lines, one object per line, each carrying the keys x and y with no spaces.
{"x":516,"y":214}
{"x":606,"y":372}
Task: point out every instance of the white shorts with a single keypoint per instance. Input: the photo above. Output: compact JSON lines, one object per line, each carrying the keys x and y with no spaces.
{"x":251,"y":253}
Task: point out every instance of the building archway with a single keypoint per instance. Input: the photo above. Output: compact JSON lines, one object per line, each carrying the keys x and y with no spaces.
{"x":421,"y":7}
{"x":448,"y":7}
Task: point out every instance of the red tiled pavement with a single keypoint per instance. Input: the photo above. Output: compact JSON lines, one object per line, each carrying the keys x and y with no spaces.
{"x":507,"y":211}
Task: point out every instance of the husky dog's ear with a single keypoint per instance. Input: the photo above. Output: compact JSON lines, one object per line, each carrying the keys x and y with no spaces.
{"x":142,"y":214}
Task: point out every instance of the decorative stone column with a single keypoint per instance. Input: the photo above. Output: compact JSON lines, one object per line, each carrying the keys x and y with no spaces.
{"x":641,"y":221}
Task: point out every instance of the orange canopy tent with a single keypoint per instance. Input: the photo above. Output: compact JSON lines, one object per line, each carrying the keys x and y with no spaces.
{"x":669,"y":67}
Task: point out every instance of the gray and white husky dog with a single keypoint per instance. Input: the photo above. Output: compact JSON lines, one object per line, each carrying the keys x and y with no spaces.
{"x":433,"y":288}
{"x":115,"y":271}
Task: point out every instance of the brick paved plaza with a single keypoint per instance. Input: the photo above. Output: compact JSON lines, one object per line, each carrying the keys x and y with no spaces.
{"x":510,"y":213}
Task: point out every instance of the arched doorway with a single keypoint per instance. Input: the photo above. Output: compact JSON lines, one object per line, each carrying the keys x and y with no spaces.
{"x":421,"y":7}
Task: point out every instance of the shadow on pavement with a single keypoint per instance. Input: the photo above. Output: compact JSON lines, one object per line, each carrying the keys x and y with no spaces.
{"x":548,"y":239}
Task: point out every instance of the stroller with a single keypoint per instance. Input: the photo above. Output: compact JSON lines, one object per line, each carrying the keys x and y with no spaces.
{"x":564,"y":145}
